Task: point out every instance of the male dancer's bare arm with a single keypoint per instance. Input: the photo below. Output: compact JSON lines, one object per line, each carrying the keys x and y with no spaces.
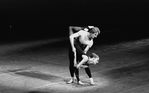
{"x":72,"y":28}
{"x":86,"y":49}
{"x":72,"y":37}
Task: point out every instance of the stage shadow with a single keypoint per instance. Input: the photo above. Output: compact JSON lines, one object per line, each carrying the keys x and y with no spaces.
{"x":131,"y":70}
{"x":39,"y":75}
{"x":38,"y":92}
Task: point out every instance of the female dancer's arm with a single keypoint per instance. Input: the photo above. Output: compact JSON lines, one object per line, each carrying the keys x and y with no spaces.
{"x":85,"y":59}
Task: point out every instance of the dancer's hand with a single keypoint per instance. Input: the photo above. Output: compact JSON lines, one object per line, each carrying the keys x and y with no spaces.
{"x":78,"y":66}
{"x":74,"y":50}
{"x":90,"y":26}
{"x":85,"y":52}
{"x":83,"y":66}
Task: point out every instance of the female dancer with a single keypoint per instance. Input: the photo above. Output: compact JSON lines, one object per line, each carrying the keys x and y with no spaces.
{"x":80,"y":41}
{"x":84,"y":61}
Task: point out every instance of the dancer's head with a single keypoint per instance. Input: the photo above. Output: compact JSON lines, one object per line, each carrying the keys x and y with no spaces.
{"x":93,"y":59}
{"x":94,"y":32}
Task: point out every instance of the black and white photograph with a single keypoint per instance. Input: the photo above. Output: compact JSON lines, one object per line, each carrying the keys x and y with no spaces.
{"x":74,"y":46}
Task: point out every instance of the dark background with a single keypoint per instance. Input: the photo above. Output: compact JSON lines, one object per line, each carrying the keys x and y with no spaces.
{"x":25,"y":20}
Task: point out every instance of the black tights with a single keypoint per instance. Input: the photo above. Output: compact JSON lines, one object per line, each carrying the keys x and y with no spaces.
{"x":73,"y":70}
{"x":87,"y":70}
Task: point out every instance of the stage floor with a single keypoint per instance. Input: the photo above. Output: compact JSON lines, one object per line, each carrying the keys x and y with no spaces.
{"x":42,"y":67}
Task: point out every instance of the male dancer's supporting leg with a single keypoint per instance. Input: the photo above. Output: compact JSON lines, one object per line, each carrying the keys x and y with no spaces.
{"x":71,"y":66}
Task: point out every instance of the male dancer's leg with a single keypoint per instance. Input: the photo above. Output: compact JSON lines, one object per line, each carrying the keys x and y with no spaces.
{"x":71,"y":65}
{"x":76,"y":71}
